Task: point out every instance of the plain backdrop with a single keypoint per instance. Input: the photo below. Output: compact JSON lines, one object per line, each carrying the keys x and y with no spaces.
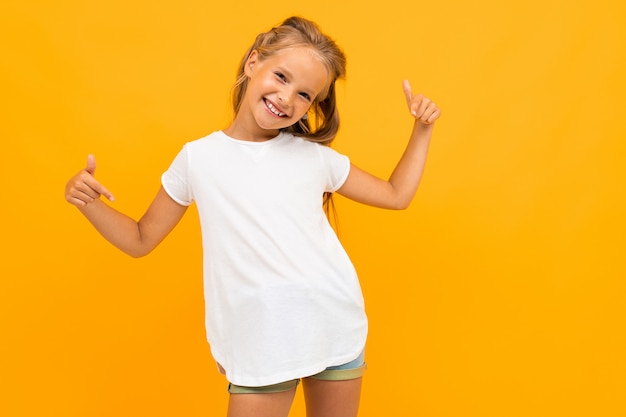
{"x":499,"y":293}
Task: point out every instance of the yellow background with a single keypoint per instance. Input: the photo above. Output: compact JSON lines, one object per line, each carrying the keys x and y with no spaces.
{"x":500,"y":292}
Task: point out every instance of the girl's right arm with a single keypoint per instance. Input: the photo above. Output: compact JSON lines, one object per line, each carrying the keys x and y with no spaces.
{"x":136,"y":238}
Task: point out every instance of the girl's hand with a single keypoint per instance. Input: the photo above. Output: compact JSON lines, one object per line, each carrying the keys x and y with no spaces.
{"x":422,"y":108}
{"x":83,"y":188}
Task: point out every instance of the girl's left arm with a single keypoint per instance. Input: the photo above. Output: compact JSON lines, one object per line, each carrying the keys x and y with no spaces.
{"x":398,"y":191}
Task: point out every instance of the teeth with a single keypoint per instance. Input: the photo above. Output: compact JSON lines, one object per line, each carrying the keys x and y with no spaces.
{"x":274,"y":110}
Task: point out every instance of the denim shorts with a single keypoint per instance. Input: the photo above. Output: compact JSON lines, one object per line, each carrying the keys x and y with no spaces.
{"x":351,"y":370}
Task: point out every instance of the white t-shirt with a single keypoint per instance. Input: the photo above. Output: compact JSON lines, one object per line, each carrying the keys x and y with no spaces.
{"x":282,"y":297}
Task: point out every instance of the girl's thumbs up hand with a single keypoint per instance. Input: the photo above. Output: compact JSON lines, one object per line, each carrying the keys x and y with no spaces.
{"x":83,"y":188}
{"x":422,"y":108}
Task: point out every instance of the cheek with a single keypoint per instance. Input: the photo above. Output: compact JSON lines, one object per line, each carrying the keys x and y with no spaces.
{"x":267,"y":81}
{"x":302,"y":109}
{"x":257,"y":85}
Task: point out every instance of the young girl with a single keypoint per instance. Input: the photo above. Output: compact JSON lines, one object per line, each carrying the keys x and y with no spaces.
{"x":283,"y":302}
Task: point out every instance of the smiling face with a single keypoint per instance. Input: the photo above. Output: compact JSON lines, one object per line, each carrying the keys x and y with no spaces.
{"x":280,"y":90}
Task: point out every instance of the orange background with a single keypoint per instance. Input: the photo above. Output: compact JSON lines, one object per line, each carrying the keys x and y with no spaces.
{"x":500,"y":292}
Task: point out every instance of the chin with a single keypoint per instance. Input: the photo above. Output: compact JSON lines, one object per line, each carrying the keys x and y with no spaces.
{"x":275,"y":126}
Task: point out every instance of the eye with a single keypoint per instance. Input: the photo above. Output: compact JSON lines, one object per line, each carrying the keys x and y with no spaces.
{"x":305,"y":96}
{"x":280,"y":76}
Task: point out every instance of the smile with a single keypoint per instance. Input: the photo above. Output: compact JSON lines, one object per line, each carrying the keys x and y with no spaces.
{"x":274,"y":109}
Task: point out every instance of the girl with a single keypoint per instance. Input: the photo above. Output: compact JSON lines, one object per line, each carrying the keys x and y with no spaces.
{"x":283,"y":302}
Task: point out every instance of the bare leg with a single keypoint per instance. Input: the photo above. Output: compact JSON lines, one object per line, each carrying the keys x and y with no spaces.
{"x":332,"y":398}
{"x":261,"y":405}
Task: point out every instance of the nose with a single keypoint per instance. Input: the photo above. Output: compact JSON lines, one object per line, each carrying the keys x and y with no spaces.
{"x":285,"y":97}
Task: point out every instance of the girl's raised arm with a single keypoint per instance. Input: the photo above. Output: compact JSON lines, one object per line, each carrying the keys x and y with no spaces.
{"x":397,"y":192}
{"x":136,"y":238}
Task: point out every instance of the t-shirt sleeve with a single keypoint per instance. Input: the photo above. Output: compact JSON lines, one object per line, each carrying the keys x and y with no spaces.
{"x":175,"y":180}
{"x":337,"y":167}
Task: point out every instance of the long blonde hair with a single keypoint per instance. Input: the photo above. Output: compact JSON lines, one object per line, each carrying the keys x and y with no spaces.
{"x":321,"y":123}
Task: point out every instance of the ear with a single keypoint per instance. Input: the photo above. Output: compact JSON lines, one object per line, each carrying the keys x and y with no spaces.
{"x":251,"y":62}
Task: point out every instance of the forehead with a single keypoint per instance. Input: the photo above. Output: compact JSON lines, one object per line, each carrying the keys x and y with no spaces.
{"x":304,"y":65}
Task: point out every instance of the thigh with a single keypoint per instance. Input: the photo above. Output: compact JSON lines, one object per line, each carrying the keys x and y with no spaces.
{"x":276,"y":404}
{"x":326,"y":398}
